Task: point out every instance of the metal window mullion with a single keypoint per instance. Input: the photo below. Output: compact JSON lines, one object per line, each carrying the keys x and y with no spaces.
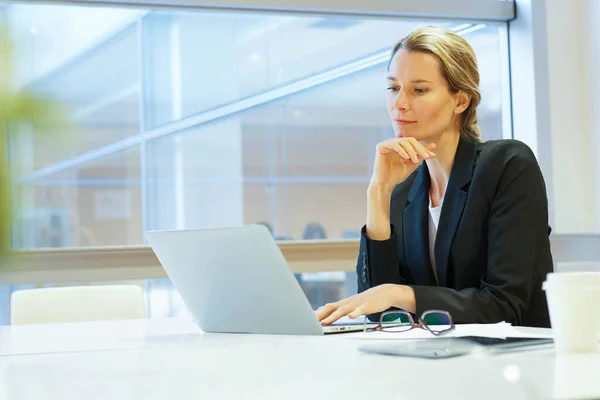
{"x":142,"y":125}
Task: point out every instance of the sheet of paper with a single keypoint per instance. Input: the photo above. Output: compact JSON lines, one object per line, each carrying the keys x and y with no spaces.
{"x":499,"y":330}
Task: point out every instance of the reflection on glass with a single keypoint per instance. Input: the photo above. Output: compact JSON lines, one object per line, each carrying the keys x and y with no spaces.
{"x":249,"y":54}
{"x":94,"y":205}
{"x":86,"y":60}
{"x":204,"y":119}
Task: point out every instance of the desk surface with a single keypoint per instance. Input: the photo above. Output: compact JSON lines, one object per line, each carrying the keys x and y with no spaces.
{"x":173,"y":359}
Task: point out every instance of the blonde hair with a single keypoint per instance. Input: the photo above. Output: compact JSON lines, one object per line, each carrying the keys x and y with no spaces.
{"x":458,"y":66}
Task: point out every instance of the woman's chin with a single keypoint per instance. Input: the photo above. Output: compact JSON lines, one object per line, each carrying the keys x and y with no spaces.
{"x":405,"y":133}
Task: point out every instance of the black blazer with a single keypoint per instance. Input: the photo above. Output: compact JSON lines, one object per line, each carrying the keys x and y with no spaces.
{"x":492,"y":248}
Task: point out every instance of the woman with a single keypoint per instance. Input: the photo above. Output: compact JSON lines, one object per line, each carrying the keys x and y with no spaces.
{"x":453,"y":223}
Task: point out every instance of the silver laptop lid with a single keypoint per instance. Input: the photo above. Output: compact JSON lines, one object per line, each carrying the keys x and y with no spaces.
{"x":235,"y":280}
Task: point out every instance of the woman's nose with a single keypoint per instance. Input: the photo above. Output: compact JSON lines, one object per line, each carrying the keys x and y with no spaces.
{"x":401,"y":101}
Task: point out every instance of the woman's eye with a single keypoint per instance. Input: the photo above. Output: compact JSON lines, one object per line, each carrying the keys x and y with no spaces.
{"x":420,"y":90}
{"x":392,"y":89}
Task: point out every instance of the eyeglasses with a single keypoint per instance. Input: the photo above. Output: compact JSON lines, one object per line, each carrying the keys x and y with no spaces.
{"x":438,"y":322}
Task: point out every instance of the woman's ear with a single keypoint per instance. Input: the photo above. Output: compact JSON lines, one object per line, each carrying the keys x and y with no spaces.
{"x":462,"y":102}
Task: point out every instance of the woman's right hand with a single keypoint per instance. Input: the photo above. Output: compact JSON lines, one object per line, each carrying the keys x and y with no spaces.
{"x":397,"y":158}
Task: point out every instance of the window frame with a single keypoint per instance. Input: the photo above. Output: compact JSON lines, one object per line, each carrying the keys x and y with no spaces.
{"x":481,"y":10}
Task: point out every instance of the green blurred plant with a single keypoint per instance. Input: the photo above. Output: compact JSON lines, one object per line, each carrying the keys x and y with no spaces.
{"x":17,"y":107}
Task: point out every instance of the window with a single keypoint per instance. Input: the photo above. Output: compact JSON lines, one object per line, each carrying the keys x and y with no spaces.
{"x":211,"y":118}
{"x":201,"y":119}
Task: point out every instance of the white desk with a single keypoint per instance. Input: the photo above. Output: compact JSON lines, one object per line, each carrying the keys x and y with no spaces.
{"x":173,"y":359}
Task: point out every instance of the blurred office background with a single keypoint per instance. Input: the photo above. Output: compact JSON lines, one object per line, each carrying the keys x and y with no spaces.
{"x":195,"y":119}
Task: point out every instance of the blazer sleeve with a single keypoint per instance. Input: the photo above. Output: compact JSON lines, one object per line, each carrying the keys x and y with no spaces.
{"x":517,"y":241}
{"x":378,"y":261}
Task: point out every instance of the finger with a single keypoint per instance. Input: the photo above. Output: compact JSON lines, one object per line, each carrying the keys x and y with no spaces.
{"x":414,"y":156}
{"x":400,"y":150}
{"x":325,"y":311}
{"x":388,"y":147}
{"x":337,"y":314}
{"x":430,"y":147}
{"x":359,"y":311}
{"x":385,"y":147}
{"x":423,"y":152}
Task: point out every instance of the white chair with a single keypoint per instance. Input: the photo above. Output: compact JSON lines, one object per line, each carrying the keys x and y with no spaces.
{"x":77,"y":304}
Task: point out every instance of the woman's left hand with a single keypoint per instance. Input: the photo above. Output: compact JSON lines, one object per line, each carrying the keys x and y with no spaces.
{"x":374,"y":300}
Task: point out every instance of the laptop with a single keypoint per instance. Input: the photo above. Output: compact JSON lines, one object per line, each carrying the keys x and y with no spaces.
{"x":236,"y":280}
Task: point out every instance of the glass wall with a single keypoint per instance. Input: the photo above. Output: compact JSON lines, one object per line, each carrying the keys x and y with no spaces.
{"x":205,"y":119}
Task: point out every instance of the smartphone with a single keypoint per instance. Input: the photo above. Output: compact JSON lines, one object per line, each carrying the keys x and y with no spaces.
{"x":454,"y":347}
{"x":504,"y":345}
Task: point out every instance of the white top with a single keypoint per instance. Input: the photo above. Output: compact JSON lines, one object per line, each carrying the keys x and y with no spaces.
{"x":172,"y":358}
{"x":434,"y":221}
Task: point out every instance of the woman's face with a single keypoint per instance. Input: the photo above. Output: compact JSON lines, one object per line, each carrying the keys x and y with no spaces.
{"x":419,"y":102}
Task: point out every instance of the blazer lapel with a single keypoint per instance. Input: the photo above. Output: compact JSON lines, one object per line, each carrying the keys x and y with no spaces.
{"x":453,"y":205}
{"x":415,"y":229}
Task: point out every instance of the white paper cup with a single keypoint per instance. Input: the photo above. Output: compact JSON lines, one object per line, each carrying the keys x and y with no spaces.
{"x":575,"y":377}
{"x":574,"y":307}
